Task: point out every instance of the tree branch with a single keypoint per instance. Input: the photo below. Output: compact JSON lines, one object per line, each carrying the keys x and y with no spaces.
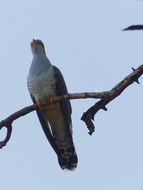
{"x":134,"y":27}
{"x":88,"y":117}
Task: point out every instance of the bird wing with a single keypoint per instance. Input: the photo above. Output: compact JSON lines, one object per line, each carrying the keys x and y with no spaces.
{"x":61,"y":89}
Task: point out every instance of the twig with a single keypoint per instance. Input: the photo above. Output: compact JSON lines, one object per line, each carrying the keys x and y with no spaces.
{"x":8,"y":135}
{"x":88,"y":116}
{"x":8,"y":122}
{"x":134,"y":27}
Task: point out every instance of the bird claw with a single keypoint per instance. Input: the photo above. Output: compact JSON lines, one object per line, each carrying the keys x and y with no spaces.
{"x":41,"y":104}
{"x":51,"y":100}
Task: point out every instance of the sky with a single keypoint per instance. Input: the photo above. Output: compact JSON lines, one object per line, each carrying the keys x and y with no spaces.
{"x":84,"y":39}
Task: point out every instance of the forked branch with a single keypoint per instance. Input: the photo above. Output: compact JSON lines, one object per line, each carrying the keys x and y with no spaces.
{"x":88,"y":117}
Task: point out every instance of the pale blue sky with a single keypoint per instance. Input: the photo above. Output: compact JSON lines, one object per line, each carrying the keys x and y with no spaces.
{"x":84,"y":39}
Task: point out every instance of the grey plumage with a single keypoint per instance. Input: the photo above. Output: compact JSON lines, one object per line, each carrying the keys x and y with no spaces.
{"x":45,"y":81}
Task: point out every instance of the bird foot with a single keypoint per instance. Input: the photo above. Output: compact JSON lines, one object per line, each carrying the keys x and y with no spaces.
{"x":41,"y":104}
{"x":51,"y":100}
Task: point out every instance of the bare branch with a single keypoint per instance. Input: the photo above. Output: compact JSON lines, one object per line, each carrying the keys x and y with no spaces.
{"x":134,"y":27}
{"x":8,"y":122}
{"x":88,"y":116}
{"x":8,"y":135}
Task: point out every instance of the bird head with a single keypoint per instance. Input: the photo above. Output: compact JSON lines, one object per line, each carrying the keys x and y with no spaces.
{"x":37,"y":47}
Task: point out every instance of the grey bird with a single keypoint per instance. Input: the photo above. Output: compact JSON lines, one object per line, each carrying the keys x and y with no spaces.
{"x":44,"y":82}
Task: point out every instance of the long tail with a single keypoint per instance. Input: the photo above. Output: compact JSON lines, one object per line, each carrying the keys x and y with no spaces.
{"x":64,"y":149}
{"x":68,"y":157}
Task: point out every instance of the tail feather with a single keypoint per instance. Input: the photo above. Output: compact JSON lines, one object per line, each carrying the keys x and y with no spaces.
{"x":68,"y":157}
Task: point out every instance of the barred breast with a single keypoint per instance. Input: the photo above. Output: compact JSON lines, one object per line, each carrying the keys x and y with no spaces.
{"x":42,"y":85}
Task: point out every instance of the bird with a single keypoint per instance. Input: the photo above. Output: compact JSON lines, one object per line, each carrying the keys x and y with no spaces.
{"x":44,"y":82}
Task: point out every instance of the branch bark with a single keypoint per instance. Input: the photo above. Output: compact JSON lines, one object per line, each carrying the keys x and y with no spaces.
{"x":88,"y":116}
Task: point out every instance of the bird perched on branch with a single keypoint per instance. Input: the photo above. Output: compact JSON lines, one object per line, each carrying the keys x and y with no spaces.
{"x":44,"y":82}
